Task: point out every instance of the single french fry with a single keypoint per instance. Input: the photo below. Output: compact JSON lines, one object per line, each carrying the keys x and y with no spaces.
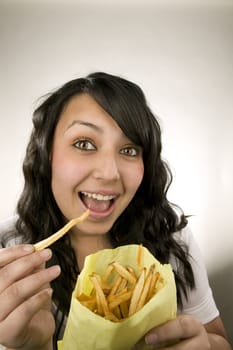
{"x":53,"y":238}
{"x":99,"y":308}
{"x":159,"y":284}
{"x":154,"y":280}
{"x":139,"y":258}
{"x":115,"y":286}
{"x":146,"y":288}
{"x":107,"y":273}
{"x":102,"y":299}
{"x":105,"y":286}
{"x":124,"y":273}
{"x":122,"y":285}
{"x":137,"y":292}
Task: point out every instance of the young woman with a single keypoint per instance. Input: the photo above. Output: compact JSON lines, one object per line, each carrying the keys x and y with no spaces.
{"x":96,"y":144}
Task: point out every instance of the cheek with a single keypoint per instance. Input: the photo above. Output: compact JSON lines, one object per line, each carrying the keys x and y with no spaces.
{"x":67,"y":171}
{"x":64,"y":171}
{"x":134,"y":178}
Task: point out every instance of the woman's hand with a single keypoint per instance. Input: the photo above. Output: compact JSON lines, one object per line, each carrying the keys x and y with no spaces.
{"x":26,"y":321}
{"x":182,"y":333}
{"x":186,"y":333}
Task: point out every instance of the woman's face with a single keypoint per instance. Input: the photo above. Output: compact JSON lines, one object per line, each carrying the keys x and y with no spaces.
{"x":94,"y":165}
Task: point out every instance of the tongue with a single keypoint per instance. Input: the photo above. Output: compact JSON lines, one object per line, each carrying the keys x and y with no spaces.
{"x":95,"y":205}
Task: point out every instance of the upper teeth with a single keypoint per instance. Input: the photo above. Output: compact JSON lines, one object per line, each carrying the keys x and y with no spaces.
{"x":99,"y":197}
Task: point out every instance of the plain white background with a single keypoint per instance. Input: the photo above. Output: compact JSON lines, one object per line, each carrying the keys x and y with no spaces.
{"x":179,"y":52}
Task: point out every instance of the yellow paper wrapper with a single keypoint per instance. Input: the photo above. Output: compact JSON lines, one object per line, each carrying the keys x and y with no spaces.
{"x":86,"y":330}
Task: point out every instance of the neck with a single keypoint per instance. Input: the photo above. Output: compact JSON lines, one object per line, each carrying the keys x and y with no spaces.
{"x":86,"y":245}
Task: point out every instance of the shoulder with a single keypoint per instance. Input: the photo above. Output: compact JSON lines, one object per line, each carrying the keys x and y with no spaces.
{"x":8,"y":234}
{"x":186,"y":238}
{"x":185,"y":235}
{"x":8,"y":223}
{"x":200,"y":301}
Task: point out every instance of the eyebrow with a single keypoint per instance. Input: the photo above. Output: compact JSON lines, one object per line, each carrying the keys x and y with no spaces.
{"x":81,"y":122}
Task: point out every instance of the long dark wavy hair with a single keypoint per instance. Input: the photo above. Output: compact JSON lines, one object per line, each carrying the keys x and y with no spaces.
{"x":149,"y":219}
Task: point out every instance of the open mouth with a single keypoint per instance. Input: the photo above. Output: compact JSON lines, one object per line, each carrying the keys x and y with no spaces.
{"x":97,"y":202}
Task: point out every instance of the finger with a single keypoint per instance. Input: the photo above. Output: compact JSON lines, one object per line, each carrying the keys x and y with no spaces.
{"x":9,"y":254}
{"x":21,"y":267}
{"x":183,"y":327}
{"x":18,"y":321}
{"x":22,"y":290}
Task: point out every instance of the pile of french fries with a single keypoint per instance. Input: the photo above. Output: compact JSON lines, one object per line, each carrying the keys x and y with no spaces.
{"x":121,"y":291}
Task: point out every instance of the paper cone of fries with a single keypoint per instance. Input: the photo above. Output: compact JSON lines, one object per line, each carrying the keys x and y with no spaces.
{"x":106,"y":325}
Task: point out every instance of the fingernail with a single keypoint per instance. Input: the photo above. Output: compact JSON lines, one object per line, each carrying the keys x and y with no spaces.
{"x":46,"y":253}
{"x":28,"y":248}
{"x":151,"y":339}
{"x":54,"y":270}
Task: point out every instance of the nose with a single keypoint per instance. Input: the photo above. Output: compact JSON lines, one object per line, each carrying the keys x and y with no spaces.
{"x":106,"y":168}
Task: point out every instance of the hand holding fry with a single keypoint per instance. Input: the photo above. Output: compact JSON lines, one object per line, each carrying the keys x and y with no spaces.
{"x":26,"y":321}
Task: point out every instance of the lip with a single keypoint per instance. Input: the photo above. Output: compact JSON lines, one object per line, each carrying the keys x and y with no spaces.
{"x":105,"y":214}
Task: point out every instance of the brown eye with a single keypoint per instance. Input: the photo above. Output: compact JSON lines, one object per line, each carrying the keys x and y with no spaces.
{"x":130,"y":151}
{"x":85,"y":145}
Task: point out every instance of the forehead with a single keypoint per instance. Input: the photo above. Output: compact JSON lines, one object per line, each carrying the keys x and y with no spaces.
{"x":83,"y":108}
{"x":81,"y":104}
